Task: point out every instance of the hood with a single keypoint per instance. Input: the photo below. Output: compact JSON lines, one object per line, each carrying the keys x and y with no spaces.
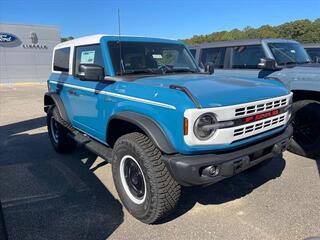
{"x":310,"y":69}
{"x":306,"y":75}
{"x":213,"y":91}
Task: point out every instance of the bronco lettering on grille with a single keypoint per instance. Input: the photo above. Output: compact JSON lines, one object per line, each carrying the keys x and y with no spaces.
{"x":261,"y":116}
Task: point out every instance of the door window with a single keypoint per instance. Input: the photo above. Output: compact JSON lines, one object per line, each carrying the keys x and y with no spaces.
{"x":213,"y":55}
{"x":314,"y":53}
{"x":247,"y":57}
{"x":90,"y":54}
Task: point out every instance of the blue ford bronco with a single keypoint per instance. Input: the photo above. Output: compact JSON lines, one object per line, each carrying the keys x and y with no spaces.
{"x":277,"y":59}
{"x":143,"y":105}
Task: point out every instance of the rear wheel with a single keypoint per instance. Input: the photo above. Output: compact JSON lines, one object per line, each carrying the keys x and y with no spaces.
{"x":58,"y":134}
{"x":306,"y":128}
{"x":142,"y":180}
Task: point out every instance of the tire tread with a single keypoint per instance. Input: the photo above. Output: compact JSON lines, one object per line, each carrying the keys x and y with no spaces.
{"x":168,"y":190}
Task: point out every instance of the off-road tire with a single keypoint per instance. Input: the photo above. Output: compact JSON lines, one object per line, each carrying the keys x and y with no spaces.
{"x":62,"y":143}
{"x":305,"y":111}
{"x":162,"y":191}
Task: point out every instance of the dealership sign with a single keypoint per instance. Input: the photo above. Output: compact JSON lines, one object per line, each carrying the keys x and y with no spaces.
{"x":34,"y":44}
{"x":7,"y":38}
{"x":10,"y":40}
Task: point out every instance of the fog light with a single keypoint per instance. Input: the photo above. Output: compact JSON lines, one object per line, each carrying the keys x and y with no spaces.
{"x":214,"y":171}
{"x":211,"y":171}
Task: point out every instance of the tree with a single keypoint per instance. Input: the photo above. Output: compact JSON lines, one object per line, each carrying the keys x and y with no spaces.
{"x":64,"y":39}
{"x":304,"y":31}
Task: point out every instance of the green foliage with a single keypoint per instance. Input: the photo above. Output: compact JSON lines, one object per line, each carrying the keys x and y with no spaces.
{"x":64,"y":39}
{"x":304,"y":31}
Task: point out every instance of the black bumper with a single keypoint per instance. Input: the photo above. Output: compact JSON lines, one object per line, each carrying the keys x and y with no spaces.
{"x":191,"y":170}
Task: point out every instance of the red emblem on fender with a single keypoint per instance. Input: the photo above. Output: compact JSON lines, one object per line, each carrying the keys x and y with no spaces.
{"x":261,"y":116}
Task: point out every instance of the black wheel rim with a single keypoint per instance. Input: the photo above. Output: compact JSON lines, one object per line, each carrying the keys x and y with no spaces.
{"x":134,"y":178}
{"x":306,"y":128}
{"x":54,"y":126}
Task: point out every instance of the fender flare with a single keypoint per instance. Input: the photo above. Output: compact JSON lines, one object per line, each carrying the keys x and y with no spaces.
{"x":150,"y":127}
{"x":54,"y":98}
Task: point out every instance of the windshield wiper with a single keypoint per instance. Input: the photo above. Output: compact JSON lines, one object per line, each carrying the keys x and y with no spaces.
{"x":288,"y":63}
{"x":139,"y":71}
{"x":180,"y":70}
{"x":304,"y":62}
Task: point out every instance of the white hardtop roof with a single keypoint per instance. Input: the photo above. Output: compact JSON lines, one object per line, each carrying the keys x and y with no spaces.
{"x":81,"y":41}
{"x":92,"y":39}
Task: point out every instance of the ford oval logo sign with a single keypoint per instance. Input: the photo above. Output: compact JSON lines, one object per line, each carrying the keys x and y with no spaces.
{"x":7,"y":38}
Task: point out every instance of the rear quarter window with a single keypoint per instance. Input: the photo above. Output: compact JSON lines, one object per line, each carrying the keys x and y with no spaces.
{"x":61,"y":59}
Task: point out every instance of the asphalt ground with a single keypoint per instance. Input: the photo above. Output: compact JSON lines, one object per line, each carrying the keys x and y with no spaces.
{"x":45,"y":195}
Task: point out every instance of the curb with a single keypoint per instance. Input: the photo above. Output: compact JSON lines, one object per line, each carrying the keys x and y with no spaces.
{"x":23,"y":84}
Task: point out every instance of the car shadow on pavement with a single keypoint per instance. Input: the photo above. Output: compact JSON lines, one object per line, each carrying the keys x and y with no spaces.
{"x":318,"y":165}
{"x":229,"y":189}
{"x":45,"y":195}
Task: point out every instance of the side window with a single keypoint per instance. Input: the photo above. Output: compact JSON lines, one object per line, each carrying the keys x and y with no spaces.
{"x":89,"y":54}
{"x":314,"y":53}
{"x":193,"y":52}
{"x":213,"y":55}
{"x":61,"y":60}
{"x":247,"y":57}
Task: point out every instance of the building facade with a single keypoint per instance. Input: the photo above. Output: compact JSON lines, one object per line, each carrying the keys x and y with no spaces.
{"x":26,"y":52}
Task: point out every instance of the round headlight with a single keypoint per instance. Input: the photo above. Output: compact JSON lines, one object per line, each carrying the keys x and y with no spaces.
{"x":199,"y":128}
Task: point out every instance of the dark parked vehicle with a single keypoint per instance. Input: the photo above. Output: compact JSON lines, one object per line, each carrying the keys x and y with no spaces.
{"x":274,"y":59}
{"x":313,"y":49}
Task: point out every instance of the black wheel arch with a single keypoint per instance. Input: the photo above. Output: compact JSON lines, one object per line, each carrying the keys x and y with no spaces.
{"x":137,"y":122}
{"x":54,"y":99}
{"x":299,"y":95}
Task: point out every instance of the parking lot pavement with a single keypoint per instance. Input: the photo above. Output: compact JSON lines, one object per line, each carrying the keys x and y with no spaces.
{"x":45,"y":195}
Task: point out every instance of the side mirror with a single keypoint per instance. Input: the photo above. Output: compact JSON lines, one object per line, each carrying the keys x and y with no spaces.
{"x":90,"y":72}
{"x":317,"y":59}
{"x":209,"y":68}
{"x":267,"y":64}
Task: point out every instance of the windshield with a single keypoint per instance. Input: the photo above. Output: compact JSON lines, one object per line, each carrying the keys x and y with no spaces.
{"x":150,"y":58}
{"x":289,"y":53}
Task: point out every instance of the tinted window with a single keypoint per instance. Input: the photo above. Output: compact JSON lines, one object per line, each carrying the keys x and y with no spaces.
{"x":193,"y":52}
{"x":313,"y":53}
{"x":61,"y":60}
{"x":288,"y":53}
{"x":213,"y":55}
{"x":150,"y":57}
{"x":247,"y":57}
{"x":90,"y":54}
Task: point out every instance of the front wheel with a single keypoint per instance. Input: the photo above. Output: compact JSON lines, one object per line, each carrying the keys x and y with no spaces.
{"x":142,"y":180}
{"x":58,"y":134}
{"x":306,"y":128}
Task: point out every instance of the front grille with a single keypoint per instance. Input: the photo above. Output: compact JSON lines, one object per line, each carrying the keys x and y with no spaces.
{"x":261,"y":125}
{"x":252,"y":109}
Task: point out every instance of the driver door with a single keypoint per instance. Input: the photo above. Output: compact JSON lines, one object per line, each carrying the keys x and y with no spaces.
{"x":84,"y":99}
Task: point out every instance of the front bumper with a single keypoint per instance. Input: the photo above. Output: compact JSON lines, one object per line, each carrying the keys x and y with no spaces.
{"x":191,"y":170}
